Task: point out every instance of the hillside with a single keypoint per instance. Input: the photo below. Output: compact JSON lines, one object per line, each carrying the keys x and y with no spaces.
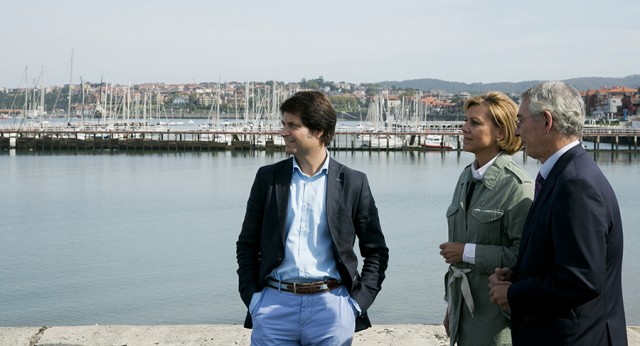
{"x":582,"y":83}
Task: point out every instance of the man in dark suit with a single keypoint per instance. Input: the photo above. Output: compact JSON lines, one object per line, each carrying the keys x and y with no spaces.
{"x":298,"y":272}
{"x":566,"y":286}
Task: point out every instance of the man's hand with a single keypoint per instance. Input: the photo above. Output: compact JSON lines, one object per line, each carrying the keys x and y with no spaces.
{"x":452,"y":252}
{"x":499,"y":283}
{"x":500,"y":276}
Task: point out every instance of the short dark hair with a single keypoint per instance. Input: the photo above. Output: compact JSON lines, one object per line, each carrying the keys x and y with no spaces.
{"x":315,"y":110}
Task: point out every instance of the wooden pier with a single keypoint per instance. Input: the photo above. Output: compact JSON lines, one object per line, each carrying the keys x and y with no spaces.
{"x":621,"y":138}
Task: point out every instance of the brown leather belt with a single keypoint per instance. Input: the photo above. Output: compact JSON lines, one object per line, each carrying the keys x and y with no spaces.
{"x":304,"y":287}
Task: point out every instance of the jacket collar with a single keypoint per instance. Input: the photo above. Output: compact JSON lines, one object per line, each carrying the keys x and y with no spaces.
{"x":558,"y":167}
{"x":493,"y":173}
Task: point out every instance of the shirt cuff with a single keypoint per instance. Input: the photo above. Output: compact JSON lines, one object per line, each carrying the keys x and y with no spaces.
{"x":469,"y":254}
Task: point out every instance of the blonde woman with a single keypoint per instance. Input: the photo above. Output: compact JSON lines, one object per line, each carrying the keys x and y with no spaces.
{"x":485,"y":219}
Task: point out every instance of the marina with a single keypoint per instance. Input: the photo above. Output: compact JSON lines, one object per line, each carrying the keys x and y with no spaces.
{"x":189,"y":136}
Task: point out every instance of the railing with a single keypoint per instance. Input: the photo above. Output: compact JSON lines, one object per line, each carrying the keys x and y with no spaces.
{"x":610,"y":131}
{"x":451,"y":129}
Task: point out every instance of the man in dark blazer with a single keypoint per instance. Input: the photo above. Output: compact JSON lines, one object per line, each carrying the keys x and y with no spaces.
{"x":566,"y":286}
{"x":298,"y":272}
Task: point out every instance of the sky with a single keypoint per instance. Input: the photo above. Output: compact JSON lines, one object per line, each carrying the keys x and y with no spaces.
{"x":186,"y":41}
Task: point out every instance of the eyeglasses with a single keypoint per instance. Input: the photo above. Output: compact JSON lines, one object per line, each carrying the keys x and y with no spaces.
{"x":520,"y":120}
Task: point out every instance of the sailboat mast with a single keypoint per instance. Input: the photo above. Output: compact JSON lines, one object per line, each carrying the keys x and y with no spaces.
{"x":218,"y":104}
{"x":82,"y":102}
{"x":26,"y":93}
{"x":42,"y":92}
{"x":70,"y":86}
{"x":274,"y":106}
{"x":235,"y":101}
{"x":246,"y":101}
{"x":128,"y":101}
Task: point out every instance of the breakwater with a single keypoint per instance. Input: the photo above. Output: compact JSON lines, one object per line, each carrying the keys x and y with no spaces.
{"x":197,"y":335}
{"x":207,"y":141}
{"x":403,"y":335}
{"x":149,"y":138}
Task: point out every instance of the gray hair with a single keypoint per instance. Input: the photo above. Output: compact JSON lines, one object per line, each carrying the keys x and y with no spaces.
{"x":562,"y":101}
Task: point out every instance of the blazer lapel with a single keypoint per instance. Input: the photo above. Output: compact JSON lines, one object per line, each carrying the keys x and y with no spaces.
{"x":283,"y":181}
{"x":547,"y":188}
{"x":335,"y":185}
{"x":558,"y":167}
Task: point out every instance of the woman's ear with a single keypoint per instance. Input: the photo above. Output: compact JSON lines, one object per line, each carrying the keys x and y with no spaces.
{"x":502,"y":134}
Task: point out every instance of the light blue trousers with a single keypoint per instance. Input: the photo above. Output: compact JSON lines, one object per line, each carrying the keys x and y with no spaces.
{"x":285,"y":318}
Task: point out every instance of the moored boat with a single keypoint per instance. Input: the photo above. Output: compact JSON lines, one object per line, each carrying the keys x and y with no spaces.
{"x":437,"y":142}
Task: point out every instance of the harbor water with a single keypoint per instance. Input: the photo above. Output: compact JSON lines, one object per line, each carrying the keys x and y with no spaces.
{"x":107,"y":237}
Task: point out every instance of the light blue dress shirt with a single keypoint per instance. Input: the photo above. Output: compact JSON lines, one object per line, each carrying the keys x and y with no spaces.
{"x":308,"y":254}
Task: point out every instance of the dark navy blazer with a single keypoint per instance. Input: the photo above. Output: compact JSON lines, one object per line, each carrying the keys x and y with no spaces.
{"x":567,"y":282}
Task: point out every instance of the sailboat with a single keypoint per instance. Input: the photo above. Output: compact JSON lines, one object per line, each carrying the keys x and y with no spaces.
{"x":377,"y":139}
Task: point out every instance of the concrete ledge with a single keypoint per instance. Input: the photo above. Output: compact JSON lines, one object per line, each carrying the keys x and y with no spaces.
{"x":192,"y":335}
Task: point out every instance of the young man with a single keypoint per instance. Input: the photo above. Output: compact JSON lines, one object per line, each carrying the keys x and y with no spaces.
{"x":566,"y":286}
{"x":298,"y":272}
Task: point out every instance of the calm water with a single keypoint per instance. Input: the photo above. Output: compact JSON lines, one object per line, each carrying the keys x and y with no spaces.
{"x":129,"y":238}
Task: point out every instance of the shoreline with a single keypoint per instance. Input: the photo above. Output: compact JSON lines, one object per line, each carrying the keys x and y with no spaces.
{"x":215,"y":334}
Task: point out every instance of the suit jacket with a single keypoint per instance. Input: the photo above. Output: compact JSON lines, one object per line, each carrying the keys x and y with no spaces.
{"x":351,"y":213}
{"x":567,"y":282}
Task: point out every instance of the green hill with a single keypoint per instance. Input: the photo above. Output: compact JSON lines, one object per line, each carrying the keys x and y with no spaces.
{"x":582,"y":83}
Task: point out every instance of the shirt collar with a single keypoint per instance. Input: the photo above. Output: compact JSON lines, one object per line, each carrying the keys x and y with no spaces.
{"x":551,"y":161}
{"x":480,"y":172}
{"x":323,"y":170}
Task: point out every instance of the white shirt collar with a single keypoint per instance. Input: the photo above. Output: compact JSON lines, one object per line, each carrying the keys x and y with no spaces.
{"x":480,"y":172}
{"x":551,"y":161}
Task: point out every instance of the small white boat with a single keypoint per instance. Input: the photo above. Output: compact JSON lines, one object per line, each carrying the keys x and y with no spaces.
{"x":437,"y":142}
{"x":277,"y":141}
{"x":382,"y":141}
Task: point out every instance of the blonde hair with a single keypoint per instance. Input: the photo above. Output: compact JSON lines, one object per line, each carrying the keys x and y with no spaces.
{"x":504,"y":113}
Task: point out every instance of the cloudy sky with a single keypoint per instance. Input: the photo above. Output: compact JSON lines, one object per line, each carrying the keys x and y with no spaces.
{"x":135,"y":41}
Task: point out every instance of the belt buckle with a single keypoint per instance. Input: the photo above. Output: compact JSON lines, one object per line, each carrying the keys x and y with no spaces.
{"x":303,"y":288}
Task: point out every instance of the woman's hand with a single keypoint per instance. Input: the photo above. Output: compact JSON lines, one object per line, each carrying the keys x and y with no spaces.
{"x":452,"y":252}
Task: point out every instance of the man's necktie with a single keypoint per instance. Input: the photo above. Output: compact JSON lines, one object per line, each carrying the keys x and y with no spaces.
{"x":539,"y":181}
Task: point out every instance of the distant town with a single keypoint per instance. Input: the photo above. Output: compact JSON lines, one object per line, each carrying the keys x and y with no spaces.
{"x":254,"y":100}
